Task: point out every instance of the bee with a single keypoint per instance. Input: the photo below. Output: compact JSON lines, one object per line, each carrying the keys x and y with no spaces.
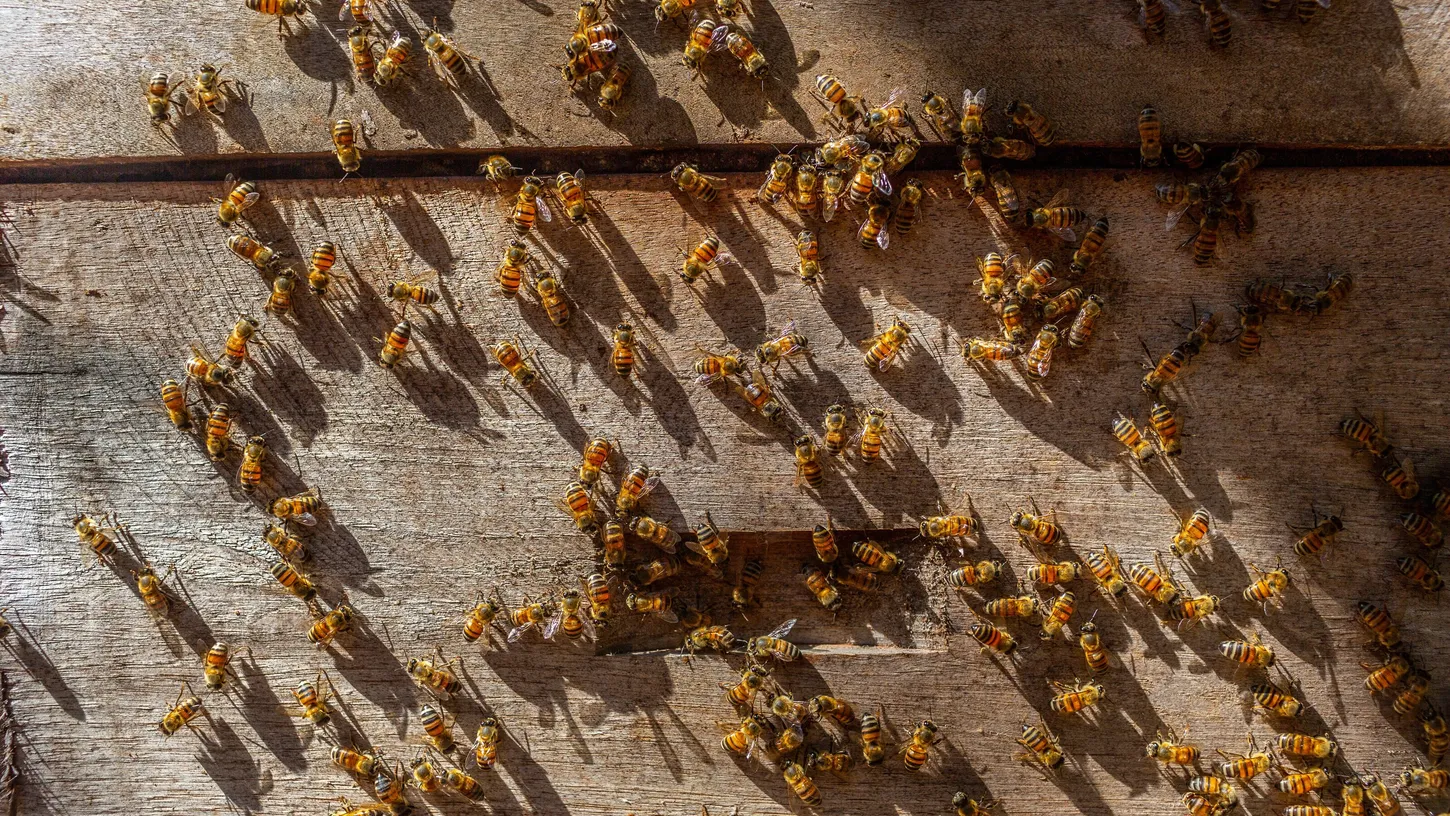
{"x":395,"y":345}
{"x":820,"y":586}
{"x":1059,"y":305}
{"x":872,"y":232}
{"x":656,"y":571}
{"x":974,"y":181}
{"x":801,"y":784}
{"x":406,"y":291}
{"x":1381,"y":678}
{"x":1106,"y":568}
{"x":281,"y":9}
{"x":757,"y":392}
{"x":655,"y":533}
{"x":174,"y":400}
{"x":1352,"y":791}
{"x":1420,"y":573}
{"x":966,"y":806}
{"x":319,"y":264}
{"x":943,"y":118}
{"x":1170,"y":751}
{"x":872,"y":750}
{"x":999,"y":147}
{"x":835,"y":761}
{"x":1251,"y":330}
{"x":1054,"y":620}
{"x":570,"y":617}
{"x":1244,"y":766}
{"x":364,"y":59}
{"x":465,"y":785}
{"x":1251,"y":653}
{"x":1305,"y":10}
{"x":294,"y":581}
{"x":570,"y":190}
{"x":1150,"y":137}
{"x":833,"y":186}
{"x":510,"y":272}
{"x":612,"y":91}
{"x":1076,"y":698}
{"x":1007,"y":200}
{"x":860,"y":579}
{"x":597,"y":58}
{"x":1300,"y":784}
{"x":1273,"y":295}
{"x":658,"y":603}
{"x":1313,"y":540}
{"x":743,"y":739}
{"x":395,"y":57}
{"x":480,"y":618}
{"x":1275,"y":700}
{"x":1267,"y":587}
{"x":635,"y":486}
{"x":955,"y":525}
{"x":355,"y":762}
{"x":774,"y":645}
{"x":974,"y":107}
{"x":752,"y":682}
{"x":510,"y":355}
{"x":580,"y":507}
{"x":1365,"y":433}
{"x":529,"y":207}
{"x":182,"y":712}
{"x":916,"y":751}
{"x":1042,"y":746}
{"x":160,"y":91}
{"x":1192,"y":610}
{"x":1303,"y":745}
{"x":216,"y":665}
{"x":1401,"y":478}
{"x":1022,"y":606}
{"x":1188,"y":154}
{"x":1198,"y":805}
{"x":1038,"y":127}
{"x":1440,"y":504}
{"x":808,"y":462}
{"x":1037,"y":528}
{"x":883,"y":348}
{"x":531,"y":615}
{"x":993,"y":270}
{"x":425,"y":776}
{"x":622,"y":356}
{"x":1422,"y":781}
{"x":95,"y":538}
{"x":890,"y":116}
{"x":844,"y":152}
{"x":1032,"y":281}
{"x":595,"y":458}
{"x":435,"y":675}
{"x":777,"y":179}
{"x":870,"y":177}
{"x":344,"y":146}
{"x":249,"y":475}
{"x":978,"y":350}
{"x":1154,"y":583}
{"x":240,"y":196}
{"x":1165,"y":371}
{"x":1056,"y":218}
{"x":1205,"y":240}
{"x":1340,"y":285}
{"x":449,"y":61}
{"x":313,"y":698}
{"x":1376,"y":619}
{"x":299,"y":508}
{"x":717,"y":638}
{"x":907,"y":206}
{"x":998,"y":640}
{"x":709,"y":541}
{"x":1182,"y":197}
{"x":807,"y":194}
{"x":873,"y":433}
{"x":1049,"y":573}
{"x":1092,"y":647}
{"x":903,"y":154}
{"x":1192,"y":532}
{"x":982,"y":572}
{"x":253,"y":251}
{"x":551,"y":294}
{"x":1220,"y":27}
{"x":809,"y":251}
{"x":485,"y":742}
{"x":1039,"y":358}
{"x":208,"y":92}
{"x":703,"y":38}
{"x":280,"y":300}
{"x":1437,"y":735}
{"x":1152,"y":17}
{"x":788,"y":344}
{"x":337,"y":620}
{"x":218,"y":432}
{"x":845,"y":108}
{"x":705,"y":256}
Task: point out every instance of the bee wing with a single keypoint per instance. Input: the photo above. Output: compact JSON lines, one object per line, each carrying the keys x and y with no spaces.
{"x":896,"y":93}
{"x":342,"y":12}
{"x":368,"y":126}
{"x":829,"y":205}
{"x":883,"y":240}
{"x":1066,"y":234}
{"x":709,"y":379}
{"x":1058,"y":199}
{"x":883,"y":183}
{"x":695,"y":547}
{"x":717,"y":37}
{"x":221,"y":102}
{"x":1324,"y":3}
{"x":724,"y":258}
{"x":1174,"y":217}
{"x":305,"y":518}
{"x":518,"y":631}
{"x":764,"y":193}
{"x":588,"y":621}
{"x":249,"y":200}
{"x":553,"y":625}
{"x":543,"y":209}
{"x":980,"y":97}
{"x":783,"y":629}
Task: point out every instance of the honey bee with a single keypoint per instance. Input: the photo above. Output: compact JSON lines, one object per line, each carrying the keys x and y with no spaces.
{"x":1007,"y":199}
{"x":1268,"y":587}
{"x":299,"y":508}
{"x":888,"y":117}
{"x":870,"y":178}
{"x":449,"y":61}
{"x":173,"y":398}
{"x":974,"y":107}
{"x":1157,"y":583}
{"x":570,"y":189}
{"x":777,"y":179}
{"x":1042,"y":746}
{"x":1057,"y":219}
{"x":658,"y":603}
{"x":1368,"y":435}
{"x":704,"y":37}
{"x":999,"y":147}
{"x":821,"y":587}
{"x":860,"y":579}
{"x":1054,"y":620}
{"x":808,"y":462}
{"x":160,"y":91}
{"x":580,"y":507}
{"x":877,"y":558}
{"x":209,"y":92}
{"x":1192,"y":610}
{"x":801,"y":784}
{"x":1082,"y":325}
{"x":711,"y":367}
{"x":1300,"y":784}
{"x":757,"y":392}
{"x":1076,"y":698}
{"x":1171,"y":751}
{"x":622,"y":356}
{"x":845,"y":109}
{"x":998,"y":640}
{"x":310,"y":695}
{"x":485,"y":742}
{"x":182,"y":712}
{"x":873,"y":433}
{"x":833,"y":186}
{"x":993,"y":269}
{"x":655,"y":571}
{"x":1060,"y":304}
{"x":319,"y":264}
{"x":364,"y":59}
{"x":635,"y":486}
{"x":907,"y":206}
{"x":903,"y":154}
{"x":218,"y":432}
{"x":395,"y":345}
{"x":240,"y":196}
{"x":599,"y":57}
{"x":1251,"y":653}
{"x":1379,"y":621}
{"x":1188,"y":154}
{"x":281,"y":9}
{"x":1165,"y":371}
{"x":1303,"y":745}
{"x":746,"y":737}
{"x":978,"y":350}
{"x":809,"y":251}
{"x":571,"y":617}
{"x":884,"y":347}
{"x":1038,"y":127}
{"x":510,"y":272}
{"x":1150,"y":137}
{"x":1199,"y":805}
{"x":1037,"y":528}
{"x":1092,"y":647}
{"x":1039,"y":358}
{"x":1050,"y":573}
{"x":344,"y":146}
{"x":425,"y":776}
{"x":405,"y":292}
{"x":1251,"y":330}
{"x":249,"y":475}
{"x":216,"y":665}
{"x":612,"y":91}
{"x":669,"y":9}
{"x":496,"y":169}
{"x":943,"y":118}
{"x":595,"y":459}
{"x":1389,"y":673}
{"x":254,"y":252}
{"x":1401,"y":478}
{"x":916,"y":751}
{"x":337,"y":620}
{"x":280,"y":300}
{"x":434,"y":674}
{"x":95,"y":538}
{"x":872,"y":232}
{"x":952,"y":525}
{"x":355,"y":762}
{"x":974,"y":181}
{"x":966,"y":806}
{"x":655,"y":533}
{"x":1192,"y":532}
{"x":1244,"y":766}
{"x":1437,"y":735}
{"x":774,"y":645}
{"x":709,"y":541}
{"x":294,"y":581}
{"x":395,"y":57}
{"x":752,"y":682}
{"x":1420,"y":573}
{"x":717,"y":638}
{"x":1151,"y":16}
{"x":838,"y":761}
{"x":1106,"y":568}
{"x":1313,"y":540}
{"x":1340,"y":285}
{"x":480,"y":618}
{"x":1205,"y":240}
{"x":531,"y":615}
{"x":515,"y":362}
{"x":1236,"y":170}
{"x":787,"y":344}
{"x":1274,"y":296}
{"x":1422,"y":781}
{"x":1352,"y":792}
{"x":1275,"y":700}
{"x":982,"y":572}
{"x":529,"y":207}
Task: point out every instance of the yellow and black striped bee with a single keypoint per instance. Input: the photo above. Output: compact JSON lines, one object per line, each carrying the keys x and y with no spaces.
{"x":753,"y":679}
{"x":873,"y":233}
{"x":876,"y":557}
{"x":807,"y":194}
{"x":1379,"y":621}
{"x":364,"y":59}
{"x":478,"y":620}
{"x":705,"y":256}
{"x":173,"y":398}
{"x":1106,"y":568}
{"x":709,"y":541}
{"x":952,"y":525}
{"x":529,"y":615}
{"x":1041,"y":129}
{"x":1171,"y":750}
{"x":395,"y":345}
{"x":300,"y":508}
{"x":1036,"y":527}
{"x":823,"y":541}
{"x":1425,"y":531}
{"x":1063,"y":302}
{"x":1275,"y":700}
{"x":611,"y":93}
{"x":281,"y":9}
{"x":182,"y":712}
{"x":1000,"y":147}
{"x":406,"y":292}
{"x":1422,"y":781}
{"x":1152,"y":17}
{"x":696,"y":184}
{"x":1251,"y":330}
{"x":712,"y":367}
{"x":881,"y":349}
{"x":280,"y":300}
{"x":344,"y":144}
{"x":216,"y":665}
{"x":286,"y":545}
{"x":1007,"y":199}
{"x":355,"y":762}
{"x":1268,"y":587}
{"x":974,"y":108}
{"x":1382,"y":677}
{"x":808,"y":462}
{"x":872,"y":749}
{"x":254,"y":252}
{"x":319,"y":266}
{"x":1092,"y":647}
{"x":1220,"y":26}
{"x":1022,"y":606}
{"x":1205,"y":241}
{"x":219,"y":432}
{"x":1420,"y":573}
{"x":551,"y":297}
{"x":510,"y":272}
{"x":1245,"y":766}
{"x":485,"y":742}
{"x":1192,"y":532}
{"x":1042,"y":746}
{"x":943,"y":117}
{"x":312,"y":698}
{"x":998,"y":640}
{"x":1163,"y":421}
{"x":294,"y":581}
{"x":967,"y":575}
{"x":1191,"y":610}
{"x":571,"y":618}
{"x":788,"y":343}
{"x":1078,"y":697}
{"x":801,"y":785}
{"x":917,"y":749}
{"x":978,"y":350}
{"x":1049,"y":573}
{"x":1150,"y":137}
{"x":510,"y":354}
{"x":569,"y":187}
{"x":249,"y":474}
{"x":395,"y":57}
{"x":809,"y":251}
{"x":1303,"y":745}
{"x":160,"y":90}
{"x":974,"y":181}
{"x":1055,"y":618}
{"x":209,"y":92}
{"x":240,"y":196}
{"x":425,"y":775}
{"x":1437,"y":734}
{"x":1251,"y":653}
{"x":907,"y":206}
{"x":529,"y":206}
{"x":751,"y":60}
{"x":846,"y":109}
{"x":873,"y":433}
{"x":578,"y":503}
{"x":1125,"y":430}
{"x":1339,"y":287}
{"x":717,"y":638}
{"x":885,"y":119}
{"x":1313,"y":540}
{"x":1188,"y":154}
{"x":1369,"y":435}
{"x":903,"y":154}
{"x":777,"y":179}
{"x":1157,"y":583}
{"x":1401,"y":478}
{"x":821,"y":587}
{"x":742,"y":595}
{"x":622,"y":355}
{"x":449,"y":61}
{"x":774,"y":645}
{"x":835,"y":423}
{"x":1167,"y":369}
{"x":1301,"y":784}
{"x":993,"y":269}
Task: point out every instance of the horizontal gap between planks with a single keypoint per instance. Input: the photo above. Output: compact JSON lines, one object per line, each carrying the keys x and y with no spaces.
{"x":722,"y":158}
{"x":818,"y":650}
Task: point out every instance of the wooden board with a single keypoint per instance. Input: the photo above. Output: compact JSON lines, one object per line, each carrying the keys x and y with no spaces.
{"x":439,"y":482}
{"x":1088,"y":67}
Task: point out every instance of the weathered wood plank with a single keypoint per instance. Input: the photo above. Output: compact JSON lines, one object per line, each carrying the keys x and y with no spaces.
{"x":439,"y":482}
{"x":1089,"y":67}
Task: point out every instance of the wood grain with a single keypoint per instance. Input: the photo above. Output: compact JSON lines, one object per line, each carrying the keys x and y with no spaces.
{"x":1089,"y":67}
{"x":439,"y":482}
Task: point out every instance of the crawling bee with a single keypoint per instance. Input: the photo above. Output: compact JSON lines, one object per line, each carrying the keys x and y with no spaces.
{"x":510,"y":355}
{"x":182,"y":712}
{"x":406,"y":292}
{"x":1269,"y":697}
{"x":883,"y":348}
{"x":774,"y":645}
{"x":751,"y":60}
{"x":95,"y":538}
{"x":872,"y":232}
{"x":1056,"y":218}
{"x":1401,"y":478}
{"x":1192,"y":532}
{"x":1125,"y":430}
{"x":1076,"y":698}
{"x":1251,"y":330}
{"x":1037,"y":528}
{"x":788,"y":344}
{"x":1157,"y":584}
{"x":249,"y":474}
{"x":696,"y":184}
{"x":1042,"y":746}
{"x":448,"y":60}
{"x":571,"y":617}
{"x":993,"y":270}
{"x":974,"y":181}
{"x":364,"y":58}
{"x":1106,"y":569}
{"x":1041,"y":129}
{"x":821,"y":587}
{"x":951,"y":525}
{"x":1244,"y":766}
{"x":1193,"y":610}
{"x":1054,"y":620}
{"x":1007,"y":199}
{"x":281,"y":9}
{"x":209,"y":92}
{"x":1163,"y":421}
{"x":1251,"y":653}
{"x":395,"y":57}
{"x":1382,"y":677}
{"x":974,"y":108}
{"x":1170,"y":751}
{"x":529,"y":207}
{"x":216,"y":665}
{"x":709,"y":541}
{"x":434,"y":674}
{"x":916,"y":751}
{"x":312,"y":698}
{"x":1268,"y":587}
{"x":1379,"y":621}
{"x":486,"y":741}
{"x":1420,"y":573}
{"x":716,"y":638}
{"x":337,"y":620}
{"x":844,"y":108}
{"x":160,"y":91}
{"x":612,"y":91}
{"x":1050,"y":573}
{"x":219,"y":432}
{"x":997,"y":640}
{"x":1366,"y":434}
{"x":808,"y":462}
{"x":395,"y":345}
{"x":1150,"y":137}
{"x":254,"y":252}
{"x":888,"y":117}
{"x":1092,"y":647}
{"x":1188,"y":154}
{"x":1313,"y":540}
{"x":1437,"y":735}
{"x":758,"y":393}
{"x":344,"y":144}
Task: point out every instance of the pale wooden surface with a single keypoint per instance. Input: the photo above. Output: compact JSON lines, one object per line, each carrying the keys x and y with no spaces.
{"x":1365,"y":72}
{"x":439,"y":482}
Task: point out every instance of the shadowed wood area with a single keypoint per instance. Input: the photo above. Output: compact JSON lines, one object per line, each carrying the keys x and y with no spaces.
{"x":438,"y":483}
{"x":1088,"y":66}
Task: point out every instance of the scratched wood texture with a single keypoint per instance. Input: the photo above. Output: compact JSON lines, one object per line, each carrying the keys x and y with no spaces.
{"x":1088,"y":66}
{"x":439,"y":483}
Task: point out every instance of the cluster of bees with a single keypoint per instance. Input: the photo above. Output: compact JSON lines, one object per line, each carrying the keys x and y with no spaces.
{"x":593,"y":49}
{"x":1212,"y":203}
{"x":706,"y":35}
{"x":1153,"y":16}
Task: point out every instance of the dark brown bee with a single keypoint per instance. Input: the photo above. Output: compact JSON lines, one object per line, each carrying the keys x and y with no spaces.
{"x":1188,"y":154}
